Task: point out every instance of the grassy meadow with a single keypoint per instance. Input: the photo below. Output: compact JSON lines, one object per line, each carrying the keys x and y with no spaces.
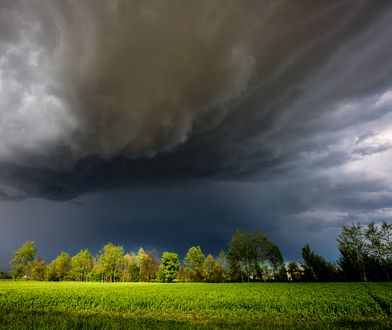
{"x":61,"y":305}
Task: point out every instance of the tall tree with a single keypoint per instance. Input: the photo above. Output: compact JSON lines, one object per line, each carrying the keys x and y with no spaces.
{"x":148,"y":264}
{"x":133,"y":268}
{"x":193,"y":262}
{"x":254,"y":256}
{"x":386,"y":239}
{"x":81,"y":265}
{"x":221,"y":261}
{"x":212,"y":271}
{"x":386,"y":243}
{"x":379,"y":245}
{"x":20,"y":263}
{"x":268,"y":257}
{"x":126,"y":262}
{"x":59,"y":268}
{"x":241,"y":255}
{"x":169,"y":267}
{"x":110,"y":262}
{"x":38,"y":269}
{"x":316,"y":268}
{"x":353,"y":250}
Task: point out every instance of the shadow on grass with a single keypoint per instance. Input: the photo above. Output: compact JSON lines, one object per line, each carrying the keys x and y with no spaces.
{"x":33,"y":319}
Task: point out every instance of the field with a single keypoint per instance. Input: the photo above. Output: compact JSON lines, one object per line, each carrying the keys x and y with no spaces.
{"x":27,"y":305}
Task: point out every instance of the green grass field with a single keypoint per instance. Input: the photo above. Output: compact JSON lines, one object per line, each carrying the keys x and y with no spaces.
{"x":49,"y":305}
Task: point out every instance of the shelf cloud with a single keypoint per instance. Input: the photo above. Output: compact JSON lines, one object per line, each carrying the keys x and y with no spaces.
{"x":220,"y":114}
{"x":98,"y":93}
{"x":103,"y":94}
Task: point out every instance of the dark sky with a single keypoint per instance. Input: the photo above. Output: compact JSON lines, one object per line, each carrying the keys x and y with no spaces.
{"x":168,"y":124}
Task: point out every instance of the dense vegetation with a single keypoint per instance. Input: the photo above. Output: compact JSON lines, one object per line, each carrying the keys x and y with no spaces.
{"x":27,"y":305}
{"x":365,"y":254}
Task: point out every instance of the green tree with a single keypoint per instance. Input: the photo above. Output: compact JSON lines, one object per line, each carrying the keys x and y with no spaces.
{"x":133,"y":268}
{"x":386,"y":246}
{"x":254,"y":256}
{"x":241,"y":255}
{"x":81,"y":265}
{"x":316,"y":268}
{"x":221,"y":261}
{"x":379,"y":248}
{"x":184,"y":275}
{"x":110,"y":261}
{"x":130,"y":269}
{"x":353,"y":251}
{"x":148,"y":264}
{"x":169,"y":267}
{"x":37,"y":269}
{"x":268,"y":257}
{"x":212,"y":271}
{"x":143,"y":262}
{"x":22,"y":259}
{"x":95,"y":274}
{"x":193,"y":262}
{"x":125,"y":276}
{"x":59,"y":268}
{"x":209,"y":265}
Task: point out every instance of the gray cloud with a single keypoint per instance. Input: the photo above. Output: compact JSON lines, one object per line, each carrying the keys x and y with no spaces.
{"x":288,"y":104}
{"x":214,"y":88}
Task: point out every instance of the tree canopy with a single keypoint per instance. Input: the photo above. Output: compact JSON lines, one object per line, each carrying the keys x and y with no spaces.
{"x":365,"y":254}
{"x":170,"y":266}
{"x":22,"y":259}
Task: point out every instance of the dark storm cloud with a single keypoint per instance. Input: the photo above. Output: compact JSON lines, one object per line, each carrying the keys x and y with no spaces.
{"x":286,"y":103}
{"x":95,"y":94}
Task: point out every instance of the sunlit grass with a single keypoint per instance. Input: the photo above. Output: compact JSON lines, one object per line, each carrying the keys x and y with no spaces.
{"x":155,"y":305}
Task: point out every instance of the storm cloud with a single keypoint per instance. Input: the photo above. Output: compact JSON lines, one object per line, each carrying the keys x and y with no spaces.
{"x":214,"y":88}
{"x":286,"y":101}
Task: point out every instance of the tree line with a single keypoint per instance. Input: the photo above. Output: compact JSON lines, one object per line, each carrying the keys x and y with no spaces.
{"x":365,"y":255}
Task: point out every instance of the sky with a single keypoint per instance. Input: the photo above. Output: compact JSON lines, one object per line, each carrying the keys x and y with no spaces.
{"x":170,"y":124}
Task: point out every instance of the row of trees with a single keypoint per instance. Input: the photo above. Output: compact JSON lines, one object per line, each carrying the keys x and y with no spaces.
{"x":110,"y":265}
{"x":365,"y":254}
{"x":249,"y":257}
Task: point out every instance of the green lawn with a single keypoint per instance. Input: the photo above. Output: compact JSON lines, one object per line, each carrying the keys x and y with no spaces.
{"x":27,"y":305}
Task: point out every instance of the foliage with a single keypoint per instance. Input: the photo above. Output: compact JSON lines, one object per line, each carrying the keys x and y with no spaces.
{"x":212,"y":271}
{"x":132,"y":268}
{"x":169,"y":267}
{"x":379,"y":246}
{"x":81,"y":265}
{"x":366,"y":252}
{"x":128,"y":267}
{"x":253,"y":257}
{"x":352,"y":247}
{"x":95,"y":275}
{"x":148,"y":264}
{"x":37,"y":269}
{"x":20,"y":263}
{"x":193,"y":262}
{"x":110,"y":261}
{"x":315,"y":267}
{"x":59,"y":268}
{"x":241,"y":254}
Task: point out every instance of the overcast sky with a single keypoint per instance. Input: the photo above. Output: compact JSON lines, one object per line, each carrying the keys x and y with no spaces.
{"x":167,"y":124}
